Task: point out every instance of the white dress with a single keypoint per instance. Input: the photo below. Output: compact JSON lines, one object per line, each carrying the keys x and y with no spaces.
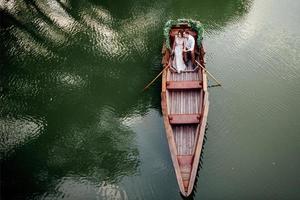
{"x":178,"y":62}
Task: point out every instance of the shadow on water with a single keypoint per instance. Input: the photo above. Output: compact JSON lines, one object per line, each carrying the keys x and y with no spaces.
{"x":71,"y":75}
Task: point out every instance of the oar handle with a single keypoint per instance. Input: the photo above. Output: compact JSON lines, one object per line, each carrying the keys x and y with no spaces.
{"x":208,"y":73}
{"x":146,"y":87}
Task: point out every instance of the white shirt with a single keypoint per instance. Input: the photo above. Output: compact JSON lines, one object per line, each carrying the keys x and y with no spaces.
{"x":190,"y":43}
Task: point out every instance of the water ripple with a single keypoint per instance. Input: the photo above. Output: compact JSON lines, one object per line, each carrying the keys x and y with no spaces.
{"x":15,"y":132}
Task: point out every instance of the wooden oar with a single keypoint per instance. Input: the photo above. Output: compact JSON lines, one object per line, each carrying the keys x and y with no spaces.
{"x":146,"y":87}
{"x":219,"y":84}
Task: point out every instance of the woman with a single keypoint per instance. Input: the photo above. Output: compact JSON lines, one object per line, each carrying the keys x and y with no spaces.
{"x":177,"y":50}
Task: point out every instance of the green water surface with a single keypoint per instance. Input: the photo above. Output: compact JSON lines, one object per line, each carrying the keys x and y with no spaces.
{"x":74,"y":123}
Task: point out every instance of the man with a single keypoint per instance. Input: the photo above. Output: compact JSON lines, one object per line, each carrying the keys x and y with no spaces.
{"x":188,"y":51}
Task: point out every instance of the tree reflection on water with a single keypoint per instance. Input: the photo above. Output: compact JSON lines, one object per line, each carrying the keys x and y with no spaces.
{"x":72,"y":72}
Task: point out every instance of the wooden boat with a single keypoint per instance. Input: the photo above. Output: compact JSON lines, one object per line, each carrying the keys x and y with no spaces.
{"x":185,"y":107}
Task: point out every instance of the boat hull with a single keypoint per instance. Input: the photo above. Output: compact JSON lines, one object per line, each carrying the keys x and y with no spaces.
{"x":184,"y":101}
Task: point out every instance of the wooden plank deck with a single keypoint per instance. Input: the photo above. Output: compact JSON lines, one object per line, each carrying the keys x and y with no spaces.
{"x":184,"y":102}
{"x":184,"y":138}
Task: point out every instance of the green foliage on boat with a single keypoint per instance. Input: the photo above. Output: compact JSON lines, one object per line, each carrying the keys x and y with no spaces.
{"x":195,"y":25}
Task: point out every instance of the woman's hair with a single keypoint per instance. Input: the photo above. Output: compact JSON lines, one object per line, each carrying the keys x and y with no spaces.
{"x":180,"y":32}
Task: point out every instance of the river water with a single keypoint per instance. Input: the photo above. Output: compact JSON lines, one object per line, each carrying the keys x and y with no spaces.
{"x":74,"y":123}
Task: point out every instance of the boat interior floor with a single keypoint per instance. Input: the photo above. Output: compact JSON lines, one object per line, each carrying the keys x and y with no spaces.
{"x":185,"y":103}
{"x":184,"y":108}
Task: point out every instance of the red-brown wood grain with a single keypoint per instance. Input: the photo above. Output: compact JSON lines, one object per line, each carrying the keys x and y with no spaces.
{"x":184,"y":101}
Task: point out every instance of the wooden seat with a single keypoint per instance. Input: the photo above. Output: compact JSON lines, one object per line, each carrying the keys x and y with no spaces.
{"x":185,"y":162}
{"x":184,"y":118}
{"x":185,"y":159}
{"x":183,"y":85}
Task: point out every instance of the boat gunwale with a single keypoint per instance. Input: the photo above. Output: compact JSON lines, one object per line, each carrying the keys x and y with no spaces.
{"x":200,"y":131}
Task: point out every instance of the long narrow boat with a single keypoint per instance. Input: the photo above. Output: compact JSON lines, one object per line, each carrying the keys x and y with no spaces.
{"x":184,"y":105}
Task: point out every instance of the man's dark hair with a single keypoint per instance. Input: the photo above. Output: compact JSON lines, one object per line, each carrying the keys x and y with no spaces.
{"x":186,"y":31}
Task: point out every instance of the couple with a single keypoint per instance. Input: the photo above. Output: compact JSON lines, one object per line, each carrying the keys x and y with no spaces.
{"x":182,"y":47}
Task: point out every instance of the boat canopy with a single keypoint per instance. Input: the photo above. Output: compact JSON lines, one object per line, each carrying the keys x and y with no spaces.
{"x":195,"y":25}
